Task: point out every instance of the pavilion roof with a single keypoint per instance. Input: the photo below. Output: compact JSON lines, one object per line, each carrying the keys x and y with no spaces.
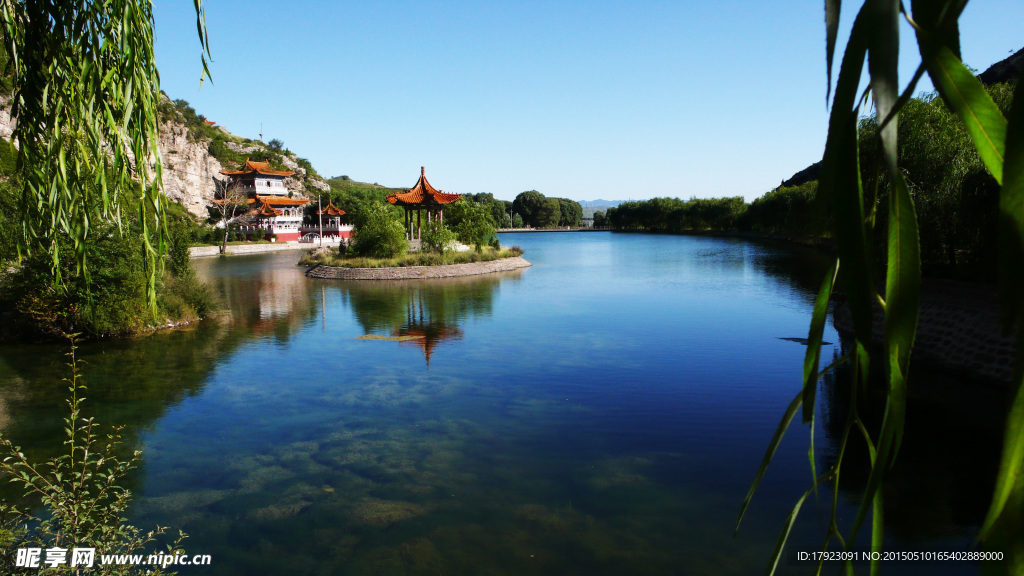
{"x":428,"y":337}
{"x":254,"y":167}
{"x":422,"y":194}
{"x":331,"y":210}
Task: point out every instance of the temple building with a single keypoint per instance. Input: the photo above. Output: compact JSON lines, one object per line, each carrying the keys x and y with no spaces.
{"x":419,"y":199}
{"x":270,"y":208}
{"x":328,"y":224}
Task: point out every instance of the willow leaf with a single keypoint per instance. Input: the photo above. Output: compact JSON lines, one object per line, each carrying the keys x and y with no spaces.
{"x":847,"y":196}
{"x":883,"y":60}
{"x":780,"y":431}
{"x":902,"y":290}
{"x":1011,"y":237}
{"x":780,"y":544}
{"x":973,"y":105}
{"x":813,"y":355}
{"x":1011,"y":214}
{"x":832,"y":10}
{"x":1010,"y":466}
{"x":840,"y":184}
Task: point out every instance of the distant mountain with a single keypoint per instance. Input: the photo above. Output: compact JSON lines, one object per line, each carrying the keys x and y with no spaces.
{"x":812,"y":172}
{"x":591,"y":206}
{"x":1004,"y":70}
{"x":600,"y":203}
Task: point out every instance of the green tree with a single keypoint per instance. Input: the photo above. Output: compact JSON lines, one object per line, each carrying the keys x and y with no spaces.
{"x":547,"y":214}
{"x":517,"y":221}
{"x":86,"y":92}
{"x":571,"y":213}
{"x":526,"y":203}
{"x":600,"y":220}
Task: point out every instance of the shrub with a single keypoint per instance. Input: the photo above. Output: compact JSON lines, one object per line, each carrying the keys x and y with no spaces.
{"x":259,"y":234}
{"x":81,"y":492}
{"x":472,"y":222}
{"x":438,"y":238}
{"x":379,"y":234}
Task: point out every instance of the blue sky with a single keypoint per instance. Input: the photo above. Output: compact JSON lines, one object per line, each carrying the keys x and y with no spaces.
{"x":583,"y":100}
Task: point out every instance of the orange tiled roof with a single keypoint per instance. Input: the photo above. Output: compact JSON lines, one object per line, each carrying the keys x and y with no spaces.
{"x":331,"y":210}
{"x":253,"y":167}
{"x":281,"y":201}
{"x":267,"y":210}
{"x":422,"y":193}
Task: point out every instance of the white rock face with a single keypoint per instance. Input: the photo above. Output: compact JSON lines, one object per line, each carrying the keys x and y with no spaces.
{"x":7,"y":123}
{"x":189,"y":169}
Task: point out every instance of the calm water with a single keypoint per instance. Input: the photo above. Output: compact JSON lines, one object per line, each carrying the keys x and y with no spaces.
{"x":602,"y":412}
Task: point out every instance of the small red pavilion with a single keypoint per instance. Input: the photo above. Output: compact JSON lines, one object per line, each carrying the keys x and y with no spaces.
{"x":422,"y":198}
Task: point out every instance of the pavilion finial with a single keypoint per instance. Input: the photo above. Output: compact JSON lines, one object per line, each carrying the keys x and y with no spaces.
{"x":423,"y":171}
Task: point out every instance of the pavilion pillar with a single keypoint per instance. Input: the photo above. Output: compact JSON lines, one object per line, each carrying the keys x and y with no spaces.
{"x":419,"y":223}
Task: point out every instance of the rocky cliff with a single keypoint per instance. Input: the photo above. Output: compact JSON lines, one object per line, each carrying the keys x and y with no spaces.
{"x":194,"y":152}
{"x":189,"y":168}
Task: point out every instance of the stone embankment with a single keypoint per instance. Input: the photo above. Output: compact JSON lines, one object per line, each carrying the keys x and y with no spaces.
{"x":959,"y":329}
{"x":419,"y":272}
{"x":204,"y":251}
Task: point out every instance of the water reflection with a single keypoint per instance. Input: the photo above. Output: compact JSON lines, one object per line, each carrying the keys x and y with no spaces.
{"x":601,"y":412}
{"x":422,"y":314}
{"x":941,"y":484}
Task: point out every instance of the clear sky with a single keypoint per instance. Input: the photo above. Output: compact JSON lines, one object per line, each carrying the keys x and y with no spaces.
{"x":584,"y":100}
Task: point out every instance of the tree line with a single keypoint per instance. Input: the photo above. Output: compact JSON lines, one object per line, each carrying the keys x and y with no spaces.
{"x":956,"y":197}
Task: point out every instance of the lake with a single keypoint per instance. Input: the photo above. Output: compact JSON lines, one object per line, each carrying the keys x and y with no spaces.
{"x":602,"y":412}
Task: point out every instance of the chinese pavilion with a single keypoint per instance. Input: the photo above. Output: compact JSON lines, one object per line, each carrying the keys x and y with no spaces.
{"x":270,"y":208}
{"x":422,"y":198}
{"x":329,"y":225}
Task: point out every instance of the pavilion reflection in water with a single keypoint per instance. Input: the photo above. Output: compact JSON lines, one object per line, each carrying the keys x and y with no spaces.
{"x":424,"y":314}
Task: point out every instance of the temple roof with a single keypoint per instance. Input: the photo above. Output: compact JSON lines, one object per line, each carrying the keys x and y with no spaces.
{"x":422,"y":193}
{"x":283,"y":201}
{"x":331,"y":210}
{"x":267,"y":210}
{"x":253,"y":167}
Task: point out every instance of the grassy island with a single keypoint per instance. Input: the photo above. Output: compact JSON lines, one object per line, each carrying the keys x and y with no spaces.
{"x":326,"y":257}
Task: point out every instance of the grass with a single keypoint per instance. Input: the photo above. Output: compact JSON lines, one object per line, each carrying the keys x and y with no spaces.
{"x":487,"y":254}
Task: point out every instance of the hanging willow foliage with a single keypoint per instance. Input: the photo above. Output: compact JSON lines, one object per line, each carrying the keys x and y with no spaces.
{"x":86,"y":90}
{"x":1000,"y":145}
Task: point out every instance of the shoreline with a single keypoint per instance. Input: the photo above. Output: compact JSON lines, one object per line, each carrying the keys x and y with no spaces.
{"x":210,"y":251}
{"x":418,"y":272}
